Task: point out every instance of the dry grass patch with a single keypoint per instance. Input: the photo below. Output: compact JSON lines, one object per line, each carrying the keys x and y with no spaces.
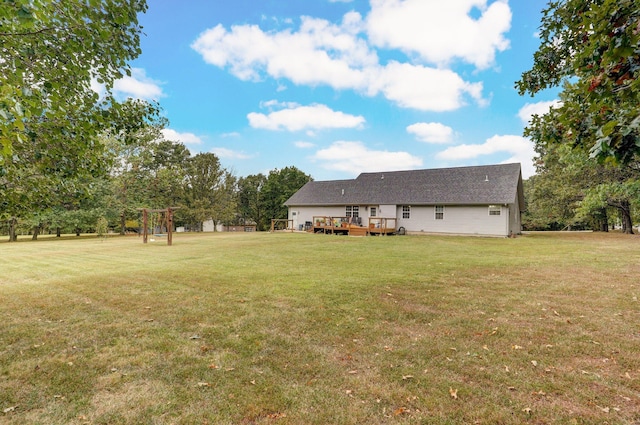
{"x":315,"y":329}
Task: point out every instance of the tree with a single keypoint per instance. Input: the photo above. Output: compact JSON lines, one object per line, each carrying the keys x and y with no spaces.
{"x":570,"y":189}
{"x":51,"y":50}
{"x":210,"y":190}
{"x":250,"y":203}
{"x":280,"y":186}
{"x":146,"y":170}
{"x":591,"y":49}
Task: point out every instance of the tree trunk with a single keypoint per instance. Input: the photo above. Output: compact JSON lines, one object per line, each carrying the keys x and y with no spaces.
{"x":123,"y":224}
{"x":77,"y":231}
{"x":58,"y":230}
{"x":12,"y":229}
{"x":627,"y":224}
{"x":36,"y":231}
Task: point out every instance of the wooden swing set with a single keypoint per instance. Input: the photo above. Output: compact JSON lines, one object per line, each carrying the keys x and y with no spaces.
{"x":160,"y":219}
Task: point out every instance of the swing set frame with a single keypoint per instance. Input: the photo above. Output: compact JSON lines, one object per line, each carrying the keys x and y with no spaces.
{"x":167,"y":220}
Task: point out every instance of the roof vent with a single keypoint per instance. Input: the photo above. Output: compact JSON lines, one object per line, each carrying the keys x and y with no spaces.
{"x":486,"y":178}
{"x":382,"y":177}
{"x":342,"y":192}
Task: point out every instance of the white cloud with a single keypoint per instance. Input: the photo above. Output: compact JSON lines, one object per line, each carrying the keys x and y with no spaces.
{"x":138,"y":86}
{"x":303,"y":145}
{"x":229,"y":153}
{"x":519,"y":148}
{"x":98,"y":88}
{"x":185,"y":138}
{"x":424,"y":88}
{"x":319,"y":53}
{"x":540,"y":108}
{"x":338,"y":56}
{"x":355,"y":158}
{"x":431,"y":132}
{"x":317,"y":117}
{"x":440,"y":31}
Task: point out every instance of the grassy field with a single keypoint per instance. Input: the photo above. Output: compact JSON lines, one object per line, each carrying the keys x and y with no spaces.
{"x":317,"y":329}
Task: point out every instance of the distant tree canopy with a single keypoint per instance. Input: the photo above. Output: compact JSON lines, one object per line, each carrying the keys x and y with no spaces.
{"x":261,"y":198}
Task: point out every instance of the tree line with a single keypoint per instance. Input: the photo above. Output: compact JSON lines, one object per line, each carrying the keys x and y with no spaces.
{"x":70,"y":156}
{"x":135,"y":167}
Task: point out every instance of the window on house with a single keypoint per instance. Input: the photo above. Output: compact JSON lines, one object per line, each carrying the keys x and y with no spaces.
{"x":439,"y":212}
{"x":352,"y":211}
{"x":494,"y":209}
{"x":406,"y":211}
{"x":373,"y":211}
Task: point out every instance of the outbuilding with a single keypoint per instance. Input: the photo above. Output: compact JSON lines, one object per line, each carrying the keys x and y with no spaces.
{"x":479,"y":200}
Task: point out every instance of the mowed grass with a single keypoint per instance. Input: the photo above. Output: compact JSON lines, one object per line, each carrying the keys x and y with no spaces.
{"x":317,"y":329}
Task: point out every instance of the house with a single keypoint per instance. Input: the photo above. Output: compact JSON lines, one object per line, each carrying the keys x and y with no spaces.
{"x":481,"y":200}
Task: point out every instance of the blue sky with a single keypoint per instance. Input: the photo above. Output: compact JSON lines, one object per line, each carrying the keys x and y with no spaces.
{"x":338,"y":87}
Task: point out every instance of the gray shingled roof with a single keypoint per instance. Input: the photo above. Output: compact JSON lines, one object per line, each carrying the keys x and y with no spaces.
{"x":488,"y":184}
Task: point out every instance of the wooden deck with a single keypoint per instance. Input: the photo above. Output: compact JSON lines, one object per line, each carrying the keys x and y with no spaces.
{"x":378,"y":226}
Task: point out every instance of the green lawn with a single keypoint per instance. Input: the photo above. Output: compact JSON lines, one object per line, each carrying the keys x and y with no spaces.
{"x":317,"y":329}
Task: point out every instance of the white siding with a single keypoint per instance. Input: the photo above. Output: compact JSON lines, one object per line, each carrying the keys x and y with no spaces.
{"x":474,"y":220}
{"x":207,"y":226}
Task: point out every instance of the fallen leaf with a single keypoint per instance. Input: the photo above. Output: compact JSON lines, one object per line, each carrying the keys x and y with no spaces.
{"x":556,"y":313}
{"x":253,"y":382}
{"x":534,"y":363}
{"x":605,"y":409}
{"x":204,"y":384}
{"x":405,"y":377}
{"x":213,"y":366}
{"x":453,"y":393}
{"x":517,"y":347}
{"x":400,"y":411}
{"x":352,"y":372}
{"x":277,"y":415}
{"x":10,"y":409}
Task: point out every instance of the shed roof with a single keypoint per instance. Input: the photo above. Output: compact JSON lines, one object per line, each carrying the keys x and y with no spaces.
{"x":487,"y":184}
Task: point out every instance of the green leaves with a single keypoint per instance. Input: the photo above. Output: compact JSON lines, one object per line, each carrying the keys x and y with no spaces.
{"x":50,"y":40}
{"x":592,"y":48}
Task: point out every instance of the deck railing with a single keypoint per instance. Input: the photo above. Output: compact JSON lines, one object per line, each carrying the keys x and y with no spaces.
{"x":349,"y":225}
